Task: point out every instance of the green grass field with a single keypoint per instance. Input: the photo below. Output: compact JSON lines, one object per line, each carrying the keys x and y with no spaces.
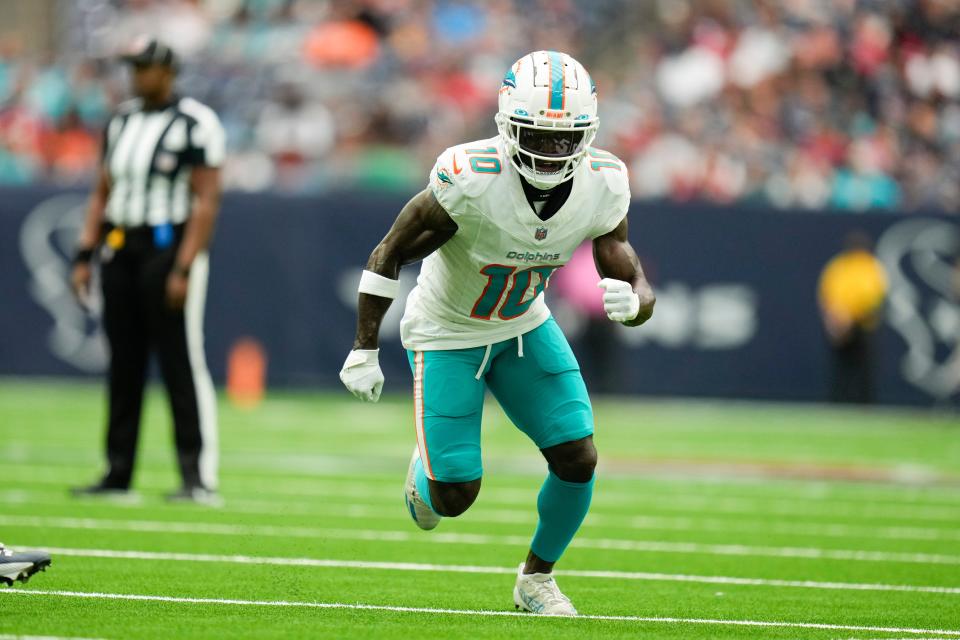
{"x":709,"y":520}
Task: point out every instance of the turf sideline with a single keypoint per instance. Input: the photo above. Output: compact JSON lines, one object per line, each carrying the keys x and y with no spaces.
{"x":611,"y":544}
{"x":448,"y":568}
{"x":474,"y":612}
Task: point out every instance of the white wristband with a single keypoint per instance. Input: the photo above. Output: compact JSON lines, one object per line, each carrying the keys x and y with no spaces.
{"x":375,"y":284}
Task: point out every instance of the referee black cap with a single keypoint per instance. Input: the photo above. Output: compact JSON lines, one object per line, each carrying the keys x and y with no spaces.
{"x":148,"y":51}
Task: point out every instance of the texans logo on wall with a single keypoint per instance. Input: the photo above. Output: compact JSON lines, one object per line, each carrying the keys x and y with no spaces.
{"x":47,"y":240}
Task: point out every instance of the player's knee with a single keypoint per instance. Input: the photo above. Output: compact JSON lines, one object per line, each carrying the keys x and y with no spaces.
{"x":573,"y":461}
{"x":450,"y":499}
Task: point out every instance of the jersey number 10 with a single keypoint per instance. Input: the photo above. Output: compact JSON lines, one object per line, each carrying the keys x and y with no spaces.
{"x":482,"y":163}
{"x":498,"y":277}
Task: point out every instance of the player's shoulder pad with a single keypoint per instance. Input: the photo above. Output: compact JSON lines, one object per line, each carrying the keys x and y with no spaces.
{"x":470,"y":167}
{"x":612,"y":168}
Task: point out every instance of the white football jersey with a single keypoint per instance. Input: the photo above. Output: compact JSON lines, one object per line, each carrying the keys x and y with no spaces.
{"x":485,"y":284}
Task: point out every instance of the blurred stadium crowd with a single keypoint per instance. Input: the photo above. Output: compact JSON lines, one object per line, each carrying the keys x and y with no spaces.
{"x":802,"y":104}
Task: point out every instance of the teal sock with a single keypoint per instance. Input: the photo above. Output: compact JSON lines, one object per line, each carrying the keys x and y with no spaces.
{"x":423,"y":484}
{"x":562,"y":507}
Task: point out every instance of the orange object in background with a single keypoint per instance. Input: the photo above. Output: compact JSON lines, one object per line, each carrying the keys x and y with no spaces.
{"x":348,"y":43}
{"x":246,"y":373}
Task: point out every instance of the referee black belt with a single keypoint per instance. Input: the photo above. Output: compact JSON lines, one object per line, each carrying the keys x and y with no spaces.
{"x":144,"y":236}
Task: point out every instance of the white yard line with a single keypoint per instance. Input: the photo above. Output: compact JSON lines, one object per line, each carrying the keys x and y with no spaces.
{"x":612,"y":544}
{"x":327,"y":563}
{"x":471,"y":612}
{"x":348,"y":511}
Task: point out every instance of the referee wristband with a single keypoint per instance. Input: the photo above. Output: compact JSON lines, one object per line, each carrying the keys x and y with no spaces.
{"x":375,"y":284}
{"x":83,"y":256}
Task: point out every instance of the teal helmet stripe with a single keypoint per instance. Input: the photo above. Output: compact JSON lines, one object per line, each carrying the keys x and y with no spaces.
{"x":556,"y":80}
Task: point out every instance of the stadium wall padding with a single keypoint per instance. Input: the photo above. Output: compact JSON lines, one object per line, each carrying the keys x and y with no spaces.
{"x":736,"y":314}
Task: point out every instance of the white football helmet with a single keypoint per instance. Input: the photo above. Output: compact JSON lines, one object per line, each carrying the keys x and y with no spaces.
{"x":547,"y":116}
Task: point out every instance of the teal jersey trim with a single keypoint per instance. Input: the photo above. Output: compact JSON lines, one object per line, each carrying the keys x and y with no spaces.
{"x":556,"y":80}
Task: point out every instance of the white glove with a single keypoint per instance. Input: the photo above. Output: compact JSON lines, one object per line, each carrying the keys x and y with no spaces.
{"x":361,"y":374}
{"x":620,"y":302}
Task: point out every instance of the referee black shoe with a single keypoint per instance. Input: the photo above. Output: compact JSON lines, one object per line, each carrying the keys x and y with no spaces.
{"x":21,"y":565}
{"x":102,"y":489}
{"x":196,"y":494}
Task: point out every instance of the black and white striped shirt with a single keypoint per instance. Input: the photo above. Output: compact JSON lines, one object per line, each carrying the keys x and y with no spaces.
{"x":148,"y":154}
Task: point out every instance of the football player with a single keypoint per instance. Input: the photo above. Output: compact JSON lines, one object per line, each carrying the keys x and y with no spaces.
{"x":498,"y":218}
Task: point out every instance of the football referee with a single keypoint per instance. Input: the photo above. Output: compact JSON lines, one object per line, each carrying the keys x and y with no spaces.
{"x":150,"y":219}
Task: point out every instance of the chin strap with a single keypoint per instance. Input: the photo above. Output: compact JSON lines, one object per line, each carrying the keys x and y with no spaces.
{"x":532,"y":181}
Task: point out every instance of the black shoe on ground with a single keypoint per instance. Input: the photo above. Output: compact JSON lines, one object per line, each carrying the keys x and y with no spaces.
{"x":196,"y":494}
{"x":102,"y":490}
{"x":21,"y":565}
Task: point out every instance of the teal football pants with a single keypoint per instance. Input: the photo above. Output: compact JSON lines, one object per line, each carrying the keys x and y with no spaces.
{"x":535,"y":378}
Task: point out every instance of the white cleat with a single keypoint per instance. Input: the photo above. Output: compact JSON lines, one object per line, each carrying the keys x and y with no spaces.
{"x":424,"y":516}
{"x":20,"y":566}
{"x":539,"y":593}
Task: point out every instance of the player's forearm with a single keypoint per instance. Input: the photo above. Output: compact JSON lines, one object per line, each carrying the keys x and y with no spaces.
{"x":647,"y":300}
{"x":644,"y":292}
{"x":616,"y":259}
{"x":370,"y":312}
{"x":385,"y":260}
{"x":371,"y":308}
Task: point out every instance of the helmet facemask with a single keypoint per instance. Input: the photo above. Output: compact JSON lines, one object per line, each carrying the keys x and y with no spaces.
{"x":544,"y":151}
